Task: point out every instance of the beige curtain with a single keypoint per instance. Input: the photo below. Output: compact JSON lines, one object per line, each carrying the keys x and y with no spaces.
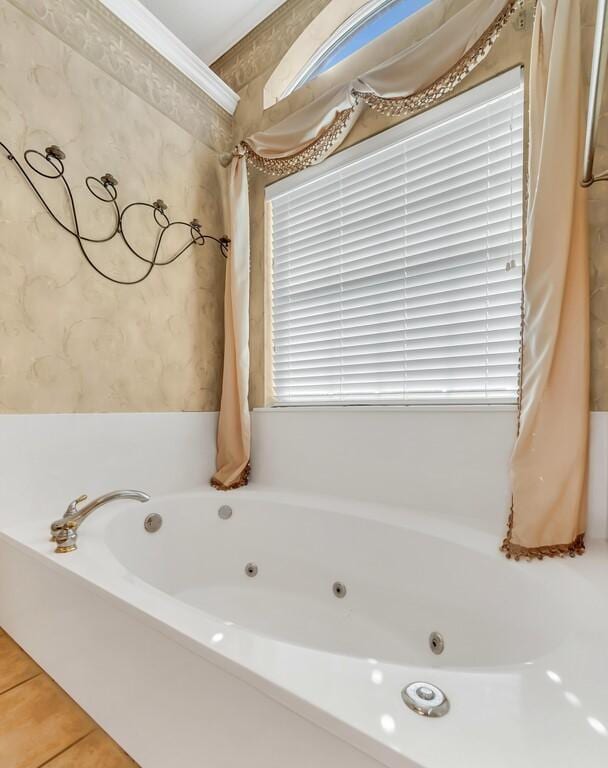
{"x":234,"y":426}
{"x":549,"y":467}
{"x":417,"y":77}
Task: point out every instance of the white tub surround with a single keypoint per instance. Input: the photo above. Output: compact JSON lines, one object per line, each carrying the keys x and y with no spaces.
{"x":49,"y":459}
{"x":211,"y":664}
{"x":597,"y":512}
{"x":450,"y":461}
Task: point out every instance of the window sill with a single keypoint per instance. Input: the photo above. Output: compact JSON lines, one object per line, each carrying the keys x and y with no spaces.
{"x":510,"y":408}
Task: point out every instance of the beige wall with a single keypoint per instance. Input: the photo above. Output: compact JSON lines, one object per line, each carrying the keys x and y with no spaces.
{"x":71,"y":341}
{"x":249,"y":65}
{"x":598,"y":232}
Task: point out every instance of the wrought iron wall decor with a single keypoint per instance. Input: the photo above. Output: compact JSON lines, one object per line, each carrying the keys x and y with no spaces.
{"x":105,"y":190}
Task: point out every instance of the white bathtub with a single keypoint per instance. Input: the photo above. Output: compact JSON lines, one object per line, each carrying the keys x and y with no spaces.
{"x":188,"y":662}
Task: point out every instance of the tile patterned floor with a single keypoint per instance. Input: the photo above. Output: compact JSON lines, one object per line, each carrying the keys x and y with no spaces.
{"x":40,"y":725}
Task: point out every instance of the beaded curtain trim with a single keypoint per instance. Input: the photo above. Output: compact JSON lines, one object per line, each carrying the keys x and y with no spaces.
{"x":517,"y":552}
{"x":239,"y":483}
{"x":445,"y":84}
{"x":312,"y":154}
{"x":393,"y":106}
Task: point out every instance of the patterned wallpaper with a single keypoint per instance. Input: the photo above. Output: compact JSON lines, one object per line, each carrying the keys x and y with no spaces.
{"x":71,"y":341}
{"x":92,"y":30}
{"x":251,"y":62}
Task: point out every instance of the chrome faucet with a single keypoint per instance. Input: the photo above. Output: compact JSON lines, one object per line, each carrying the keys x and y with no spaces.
{"x":64,"y":532}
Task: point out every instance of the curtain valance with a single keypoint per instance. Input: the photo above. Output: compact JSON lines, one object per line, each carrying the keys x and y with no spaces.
{"x":415,"y":78}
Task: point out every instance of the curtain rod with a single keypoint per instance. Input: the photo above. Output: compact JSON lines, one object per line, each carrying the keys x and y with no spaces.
{"x":598,"y":72}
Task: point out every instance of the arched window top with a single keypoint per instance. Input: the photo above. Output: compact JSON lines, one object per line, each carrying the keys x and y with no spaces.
{"x":368,"y":23}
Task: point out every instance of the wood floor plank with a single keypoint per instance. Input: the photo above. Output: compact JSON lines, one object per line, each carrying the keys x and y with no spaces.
{"x":37,"y":721}
{"x":97,"y":750}
{"x":15,"y":665}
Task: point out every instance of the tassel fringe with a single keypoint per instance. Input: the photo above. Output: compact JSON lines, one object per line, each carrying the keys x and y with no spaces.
{"x":242,"y":481}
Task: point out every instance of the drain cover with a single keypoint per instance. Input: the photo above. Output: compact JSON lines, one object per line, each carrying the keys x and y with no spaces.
{"x":426,"y":699}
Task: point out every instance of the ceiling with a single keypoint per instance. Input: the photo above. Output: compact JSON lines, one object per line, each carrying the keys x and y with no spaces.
{"x":210,"y":27}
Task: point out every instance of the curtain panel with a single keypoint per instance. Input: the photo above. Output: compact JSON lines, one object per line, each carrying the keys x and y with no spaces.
{"x":549,"y":465}
{"x":234,"y":425}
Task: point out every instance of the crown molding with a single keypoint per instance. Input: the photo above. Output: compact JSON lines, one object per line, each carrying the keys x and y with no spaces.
{"x":91,"y":29}
{"x":241,"y":27}
{"x":155,"y":33}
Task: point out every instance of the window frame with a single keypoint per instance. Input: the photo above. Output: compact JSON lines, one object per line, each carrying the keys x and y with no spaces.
{"x":347,"y":28}
{"x":476,"y":96}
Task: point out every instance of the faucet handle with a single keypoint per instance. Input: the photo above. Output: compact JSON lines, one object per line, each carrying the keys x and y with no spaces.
{"x":73,"y":505}
{"x":63,"y":522}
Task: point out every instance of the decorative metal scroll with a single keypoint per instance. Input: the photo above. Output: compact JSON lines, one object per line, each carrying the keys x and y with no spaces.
{"x":105,"y":190}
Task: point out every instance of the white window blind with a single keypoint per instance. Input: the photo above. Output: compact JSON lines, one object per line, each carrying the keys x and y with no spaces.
{"x":397,"y":264}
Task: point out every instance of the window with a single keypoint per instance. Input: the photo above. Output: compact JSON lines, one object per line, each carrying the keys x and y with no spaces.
{"x":372,"y":20}
{"x":396,"y":264}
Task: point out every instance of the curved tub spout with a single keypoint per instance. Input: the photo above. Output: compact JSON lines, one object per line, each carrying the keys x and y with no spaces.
{"x":65,"y":530}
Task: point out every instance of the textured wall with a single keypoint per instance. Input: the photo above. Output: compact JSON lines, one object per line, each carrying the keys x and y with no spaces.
{"x":598,"y":231}
{"x":249,"y":65}
{"x":71,"y":341}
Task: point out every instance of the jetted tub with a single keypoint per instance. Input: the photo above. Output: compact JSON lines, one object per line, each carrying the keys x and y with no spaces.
{"x":282,"y":637}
